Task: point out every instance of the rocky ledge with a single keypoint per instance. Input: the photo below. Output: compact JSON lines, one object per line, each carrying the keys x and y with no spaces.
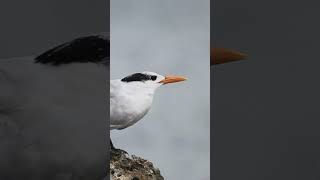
{"x":130,"y":167}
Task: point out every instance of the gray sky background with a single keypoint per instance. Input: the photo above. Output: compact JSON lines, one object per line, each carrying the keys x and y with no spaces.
{"x":266,"y":109}
{"x":167,"y":37}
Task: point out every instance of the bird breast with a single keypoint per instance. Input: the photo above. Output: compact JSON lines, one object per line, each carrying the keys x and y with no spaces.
{"x":128,"y":107}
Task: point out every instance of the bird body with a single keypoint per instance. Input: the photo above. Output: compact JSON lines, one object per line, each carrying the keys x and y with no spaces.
{"x":131,"y":97}
{"x":128,"y":104}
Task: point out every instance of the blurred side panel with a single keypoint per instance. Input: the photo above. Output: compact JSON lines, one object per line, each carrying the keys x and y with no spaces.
{"x":54,"y":116}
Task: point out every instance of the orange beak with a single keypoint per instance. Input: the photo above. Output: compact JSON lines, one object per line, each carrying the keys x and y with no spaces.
{"x":221,"y":55}
{"x":172,"y":79}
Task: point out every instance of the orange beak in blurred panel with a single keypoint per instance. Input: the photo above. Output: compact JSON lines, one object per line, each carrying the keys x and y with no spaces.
{"x":221,"y":55}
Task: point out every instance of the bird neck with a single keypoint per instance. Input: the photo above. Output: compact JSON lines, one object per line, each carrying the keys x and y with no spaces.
{"x":141,"y":90}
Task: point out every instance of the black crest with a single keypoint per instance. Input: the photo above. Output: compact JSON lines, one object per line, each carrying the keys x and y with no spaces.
{"x":139,"y":77}
{"x":94,"y":48}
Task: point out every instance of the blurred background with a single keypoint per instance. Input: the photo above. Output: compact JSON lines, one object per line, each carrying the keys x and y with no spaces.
{"x":265,"y":110}
{"x":167,"y":37}
{"x":29,"y":28}
{"x":32,"y":27}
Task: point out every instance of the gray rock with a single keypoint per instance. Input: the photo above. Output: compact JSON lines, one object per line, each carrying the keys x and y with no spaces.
{"x":130,"y":167}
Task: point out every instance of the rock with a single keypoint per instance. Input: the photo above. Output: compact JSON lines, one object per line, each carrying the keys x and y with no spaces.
{"x":130,"y":167}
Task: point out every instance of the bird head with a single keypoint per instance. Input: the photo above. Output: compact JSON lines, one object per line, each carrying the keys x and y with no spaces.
{"x":151,"y":79}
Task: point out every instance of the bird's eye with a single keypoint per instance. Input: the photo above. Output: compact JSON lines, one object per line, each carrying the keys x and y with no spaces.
{"x":153,"y":78}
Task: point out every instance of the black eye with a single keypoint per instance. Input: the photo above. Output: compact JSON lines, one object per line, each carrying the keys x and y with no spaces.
{"x":153,"y":78}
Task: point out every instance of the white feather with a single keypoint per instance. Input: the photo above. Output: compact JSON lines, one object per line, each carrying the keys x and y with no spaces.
{"x":130,"y":101}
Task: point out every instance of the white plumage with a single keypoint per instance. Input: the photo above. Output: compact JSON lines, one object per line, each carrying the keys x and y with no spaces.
{"x":131,"y":97}
{"x":130,"y":101}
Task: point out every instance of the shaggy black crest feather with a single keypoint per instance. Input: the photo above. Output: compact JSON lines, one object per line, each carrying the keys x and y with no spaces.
{"x":139,"y":77}
{"x":95,"y":48}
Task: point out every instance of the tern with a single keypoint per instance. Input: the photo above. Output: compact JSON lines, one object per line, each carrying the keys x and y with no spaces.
{"x":51,"y":110}
{"x":131,"y":97}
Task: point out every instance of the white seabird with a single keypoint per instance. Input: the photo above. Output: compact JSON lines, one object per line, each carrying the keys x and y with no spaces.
{"x":131,"y":97}
{"x":52,"y":111}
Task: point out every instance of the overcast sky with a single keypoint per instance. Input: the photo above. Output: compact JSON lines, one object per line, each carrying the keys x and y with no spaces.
{"x":167,"y":37}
